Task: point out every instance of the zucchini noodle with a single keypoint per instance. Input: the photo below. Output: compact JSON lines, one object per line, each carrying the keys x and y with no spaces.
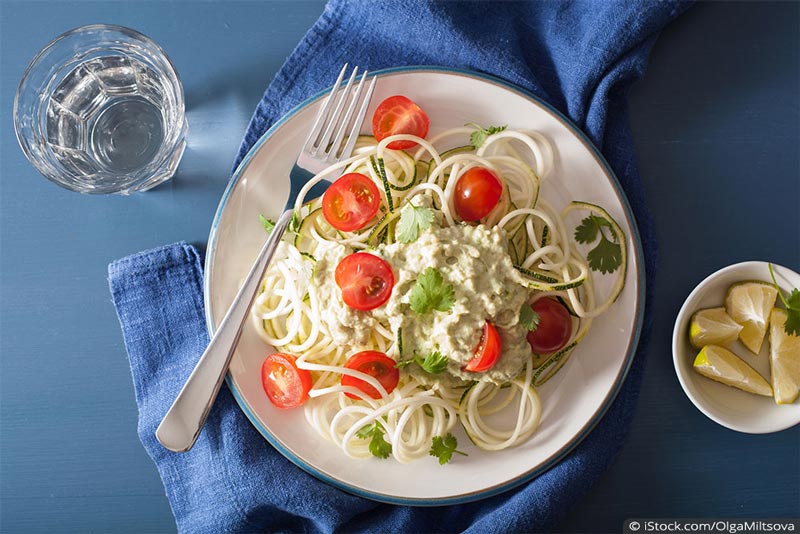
{"x":288,"y":310}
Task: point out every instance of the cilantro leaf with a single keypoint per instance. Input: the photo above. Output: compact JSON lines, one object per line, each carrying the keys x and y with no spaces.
{"x":792,"y":324}
{"x":380,"y":447}
{"x":413,"y":220}
{"x":431,"y":293}
{"x":443,"y":447}
{"x":377,"y":446}
{"x":365,"y":432}
{"x":528,"y":318}
{"x":606,"y":256}
{"x":434,"y":363}
{"x":478,"y":137}
{"x":269,"y":224}
{"x":586,"y":232}
{"x":294,"y":223}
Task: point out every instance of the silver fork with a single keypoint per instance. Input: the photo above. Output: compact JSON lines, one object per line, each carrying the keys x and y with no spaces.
{"x":184,"y":420}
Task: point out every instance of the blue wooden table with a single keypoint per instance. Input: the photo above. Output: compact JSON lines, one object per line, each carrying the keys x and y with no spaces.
{"x":716,"y":125}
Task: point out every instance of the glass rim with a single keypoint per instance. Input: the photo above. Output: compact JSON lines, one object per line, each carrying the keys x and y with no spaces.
{"x":22,"y":142}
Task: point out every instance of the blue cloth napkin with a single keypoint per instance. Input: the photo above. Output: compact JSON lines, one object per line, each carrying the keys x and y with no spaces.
{"x":581,"y":57}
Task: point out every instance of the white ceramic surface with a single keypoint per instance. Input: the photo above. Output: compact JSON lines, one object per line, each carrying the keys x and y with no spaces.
{"x":730,"y":407}
{"x":573,"y":401}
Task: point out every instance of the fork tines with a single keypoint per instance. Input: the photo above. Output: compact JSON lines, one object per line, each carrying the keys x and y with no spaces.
{"x":322,"y":143}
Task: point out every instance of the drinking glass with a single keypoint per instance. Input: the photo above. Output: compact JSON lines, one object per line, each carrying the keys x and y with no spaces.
{"x":100,"y":110}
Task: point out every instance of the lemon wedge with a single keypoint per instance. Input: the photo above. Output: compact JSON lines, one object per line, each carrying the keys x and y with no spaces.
{"x":713,"y":326}
{"x":722,"y":365}
{"x":749,"y":304}
{"x":784,"y":359}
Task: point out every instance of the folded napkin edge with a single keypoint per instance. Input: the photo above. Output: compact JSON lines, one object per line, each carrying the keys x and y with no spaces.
{"x":146,"y":260}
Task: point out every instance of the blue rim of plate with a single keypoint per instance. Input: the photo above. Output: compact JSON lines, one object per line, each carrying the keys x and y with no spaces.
{"x":587,"y":428}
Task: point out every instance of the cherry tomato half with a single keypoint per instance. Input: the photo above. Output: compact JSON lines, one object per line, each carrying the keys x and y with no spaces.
{"x":365,"y":279}
{"x":399,"y":115}
{"x":351,"y":202}
{"x":375,"y":364}
{"x":487,"y":352}
{"x":555,"y":326}
{"x":476,"y":193}
{"x":285,"y":384}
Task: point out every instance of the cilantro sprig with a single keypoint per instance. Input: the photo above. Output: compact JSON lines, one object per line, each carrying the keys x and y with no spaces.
{"x":378,"y":446}
{"x":606,"y":256}
{"x":528,"y":318}
{"x":269,"y":224}
{"x":294,"y":223}
{"x":434,"y":363}
{"x":478,"y":137}
{"x":413,"y":220}
{"x":430,"y":292}
{"x":792,"y":303}
{"x":292,"y":228}
{"x":443,"y":447}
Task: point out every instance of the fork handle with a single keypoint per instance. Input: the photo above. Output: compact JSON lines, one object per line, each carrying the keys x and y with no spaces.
{"x":182,"y":423}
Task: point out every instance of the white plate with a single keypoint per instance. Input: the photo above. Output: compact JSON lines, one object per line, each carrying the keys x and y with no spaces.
{"x":737,"y":410}
{"x":573,"y":401}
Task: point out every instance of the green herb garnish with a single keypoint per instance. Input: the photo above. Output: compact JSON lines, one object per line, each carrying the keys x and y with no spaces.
{"x":528,"y":318}
{"x":269,"y":224}
{"x":478,"y":137}
{"x":294,"y":223}
{"x":431,"y":293}
{"x":792,"y":303}
{"x":413,"y":220}
{"x":443,"y":448}
{"x":606,"y":256}
{"x":377,"y":445}
{"x":434,"y":363}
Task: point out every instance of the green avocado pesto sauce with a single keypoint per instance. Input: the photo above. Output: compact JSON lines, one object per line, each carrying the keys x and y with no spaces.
{"x":474,"y":260}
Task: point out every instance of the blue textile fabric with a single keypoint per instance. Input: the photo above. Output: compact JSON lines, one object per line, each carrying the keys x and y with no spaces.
{"x":581,"y":57}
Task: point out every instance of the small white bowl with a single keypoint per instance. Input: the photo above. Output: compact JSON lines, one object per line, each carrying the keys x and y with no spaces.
{"x":728,"y":406}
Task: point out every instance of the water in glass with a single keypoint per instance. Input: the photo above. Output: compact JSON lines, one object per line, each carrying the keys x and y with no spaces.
{"x":106,"y":115}
{"x":100,"y":110}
